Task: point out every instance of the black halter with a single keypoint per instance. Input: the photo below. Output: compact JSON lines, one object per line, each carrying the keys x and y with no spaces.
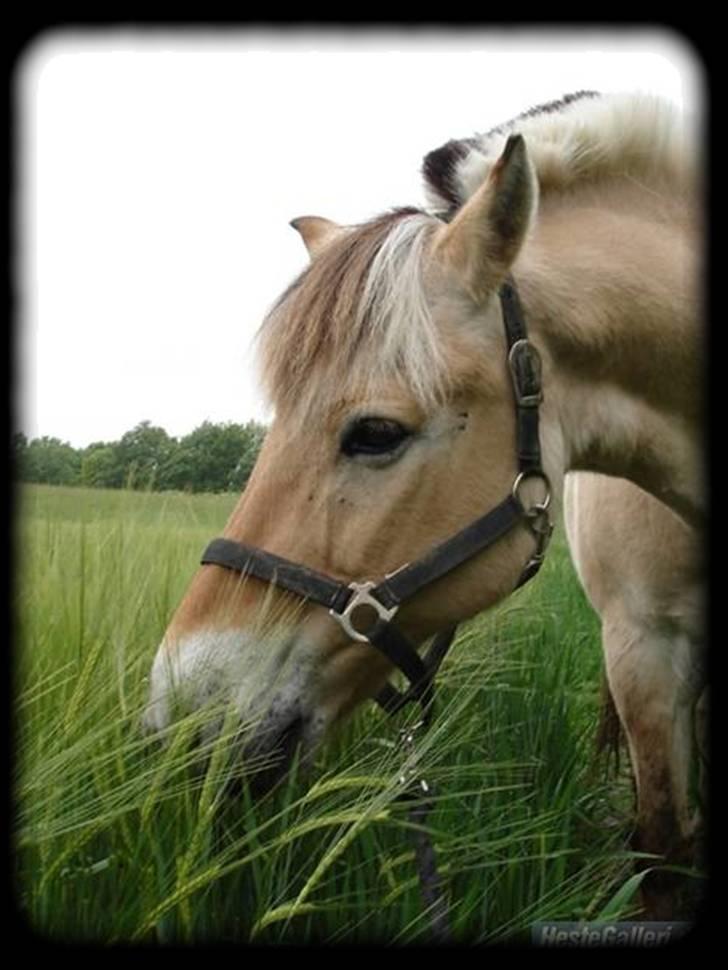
{"x":385,"y":597}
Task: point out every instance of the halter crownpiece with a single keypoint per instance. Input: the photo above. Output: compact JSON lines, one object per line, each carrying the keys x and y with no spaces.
{"x":366,"y":610}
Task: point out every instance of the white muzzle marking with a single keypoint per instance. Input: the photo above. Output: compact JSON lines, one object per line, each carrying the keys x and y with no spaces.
{"x":258,"y":675}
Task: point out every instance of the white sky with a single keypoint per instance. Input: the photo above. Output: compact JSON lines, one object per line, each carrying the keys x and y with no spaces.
{"x":159,"y":171}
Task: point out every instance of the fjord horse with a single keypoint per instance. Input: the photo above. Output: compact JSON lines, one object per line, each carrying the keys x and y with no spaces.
{"x":394,"y":421}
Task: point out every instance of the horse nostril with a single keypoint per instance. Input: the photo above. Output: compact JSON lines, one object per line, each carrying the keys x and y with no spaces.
{"x":290,"y":738}
{"x":273,"y":751}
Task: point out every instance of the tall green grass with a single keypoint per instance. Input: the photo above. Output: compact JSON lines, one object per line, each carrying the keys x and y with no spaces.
{"x":118,"y":839}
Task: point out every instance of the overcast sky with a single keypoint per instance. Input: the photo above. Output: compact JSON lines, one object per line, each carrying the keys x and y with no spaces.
{"x":159,"y":172}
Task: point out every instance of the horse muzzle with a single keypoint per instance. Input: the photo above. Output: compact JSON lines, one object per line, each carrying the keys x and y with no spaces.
{"x":265,"y":687}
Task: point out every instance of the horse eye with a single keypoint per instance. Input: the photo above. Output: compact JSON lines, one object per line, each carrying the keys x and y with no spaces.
{"x":373,"y":436}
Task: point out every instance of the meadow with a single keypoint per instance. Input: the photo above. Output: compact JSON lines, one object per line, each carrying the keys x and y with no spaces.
{"x":119,"y":839}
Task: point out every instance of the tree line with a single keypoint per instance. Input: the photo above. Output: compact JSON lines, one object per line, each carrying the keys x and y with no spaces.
{"x":212,"y":458}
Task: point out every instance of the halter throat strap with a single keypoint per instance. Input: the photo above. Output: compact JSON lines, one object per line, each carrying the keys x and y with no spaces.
{"x":348,"y":602}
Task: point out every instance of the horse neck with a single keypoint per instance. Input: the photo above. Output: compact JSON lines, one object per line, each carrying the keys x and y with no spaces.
{"x":610,"y":281}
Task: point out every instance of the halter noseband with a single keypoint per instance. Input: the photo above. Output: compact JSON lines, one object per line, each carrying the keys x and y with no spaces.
{"x":385,"y":597}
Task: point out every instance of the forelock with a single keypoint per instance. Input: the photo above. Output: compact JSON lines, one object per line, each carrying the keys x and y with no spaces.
{"x":356,"y":315}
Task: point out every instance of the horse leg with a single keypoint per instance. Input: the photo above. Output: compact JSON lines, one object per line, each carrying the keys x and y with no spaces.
{"x":650,"y":670}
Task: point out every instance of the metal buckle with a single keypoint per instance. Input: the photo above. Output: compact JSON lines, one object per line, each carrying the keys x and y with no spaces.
{"x":362,"y":597}
{"x":525,"y":366}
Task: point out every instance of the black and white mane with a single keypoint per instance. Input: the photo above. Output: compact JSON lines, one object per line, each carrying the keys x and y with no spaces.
{"x":579,"y":136}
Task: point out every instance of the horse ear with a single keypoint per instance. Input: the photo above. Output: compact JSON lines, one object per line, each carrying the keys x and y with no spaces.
{"x":482,"y":241}
{"x":316,"y":232}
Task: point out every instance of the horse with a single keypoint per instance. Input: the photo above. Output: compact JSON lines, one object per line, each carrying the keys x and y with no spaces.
{"x":642,"y":569}
{"x":393,"y":393}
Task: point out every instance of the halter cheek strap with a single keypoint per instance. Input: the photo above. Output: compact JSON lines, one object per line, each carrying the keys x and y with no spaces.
{"x":348,"y":602}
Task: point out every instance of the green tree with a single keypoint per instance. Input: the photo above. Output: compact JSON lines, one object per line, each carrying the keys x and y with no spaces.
{"x":142,"y":453}
{"x":254,"y":433}
{"x":101,"y":466}
{"x":50,"y":461}
{"x":212,"y":458}
{"x":179,"y":470}
{"x":18,"y":451}
{"x":207,"y":457}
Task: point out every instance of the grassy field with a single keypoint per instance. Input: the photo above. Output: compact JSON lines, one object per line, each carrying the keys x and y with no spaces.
{"x":118,"y":839}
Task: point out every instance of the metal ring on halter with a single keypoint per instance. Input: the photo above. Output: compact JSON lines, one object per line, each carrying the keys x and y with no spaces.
{"x":362,"y":597}
{"x":538,"y":507}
